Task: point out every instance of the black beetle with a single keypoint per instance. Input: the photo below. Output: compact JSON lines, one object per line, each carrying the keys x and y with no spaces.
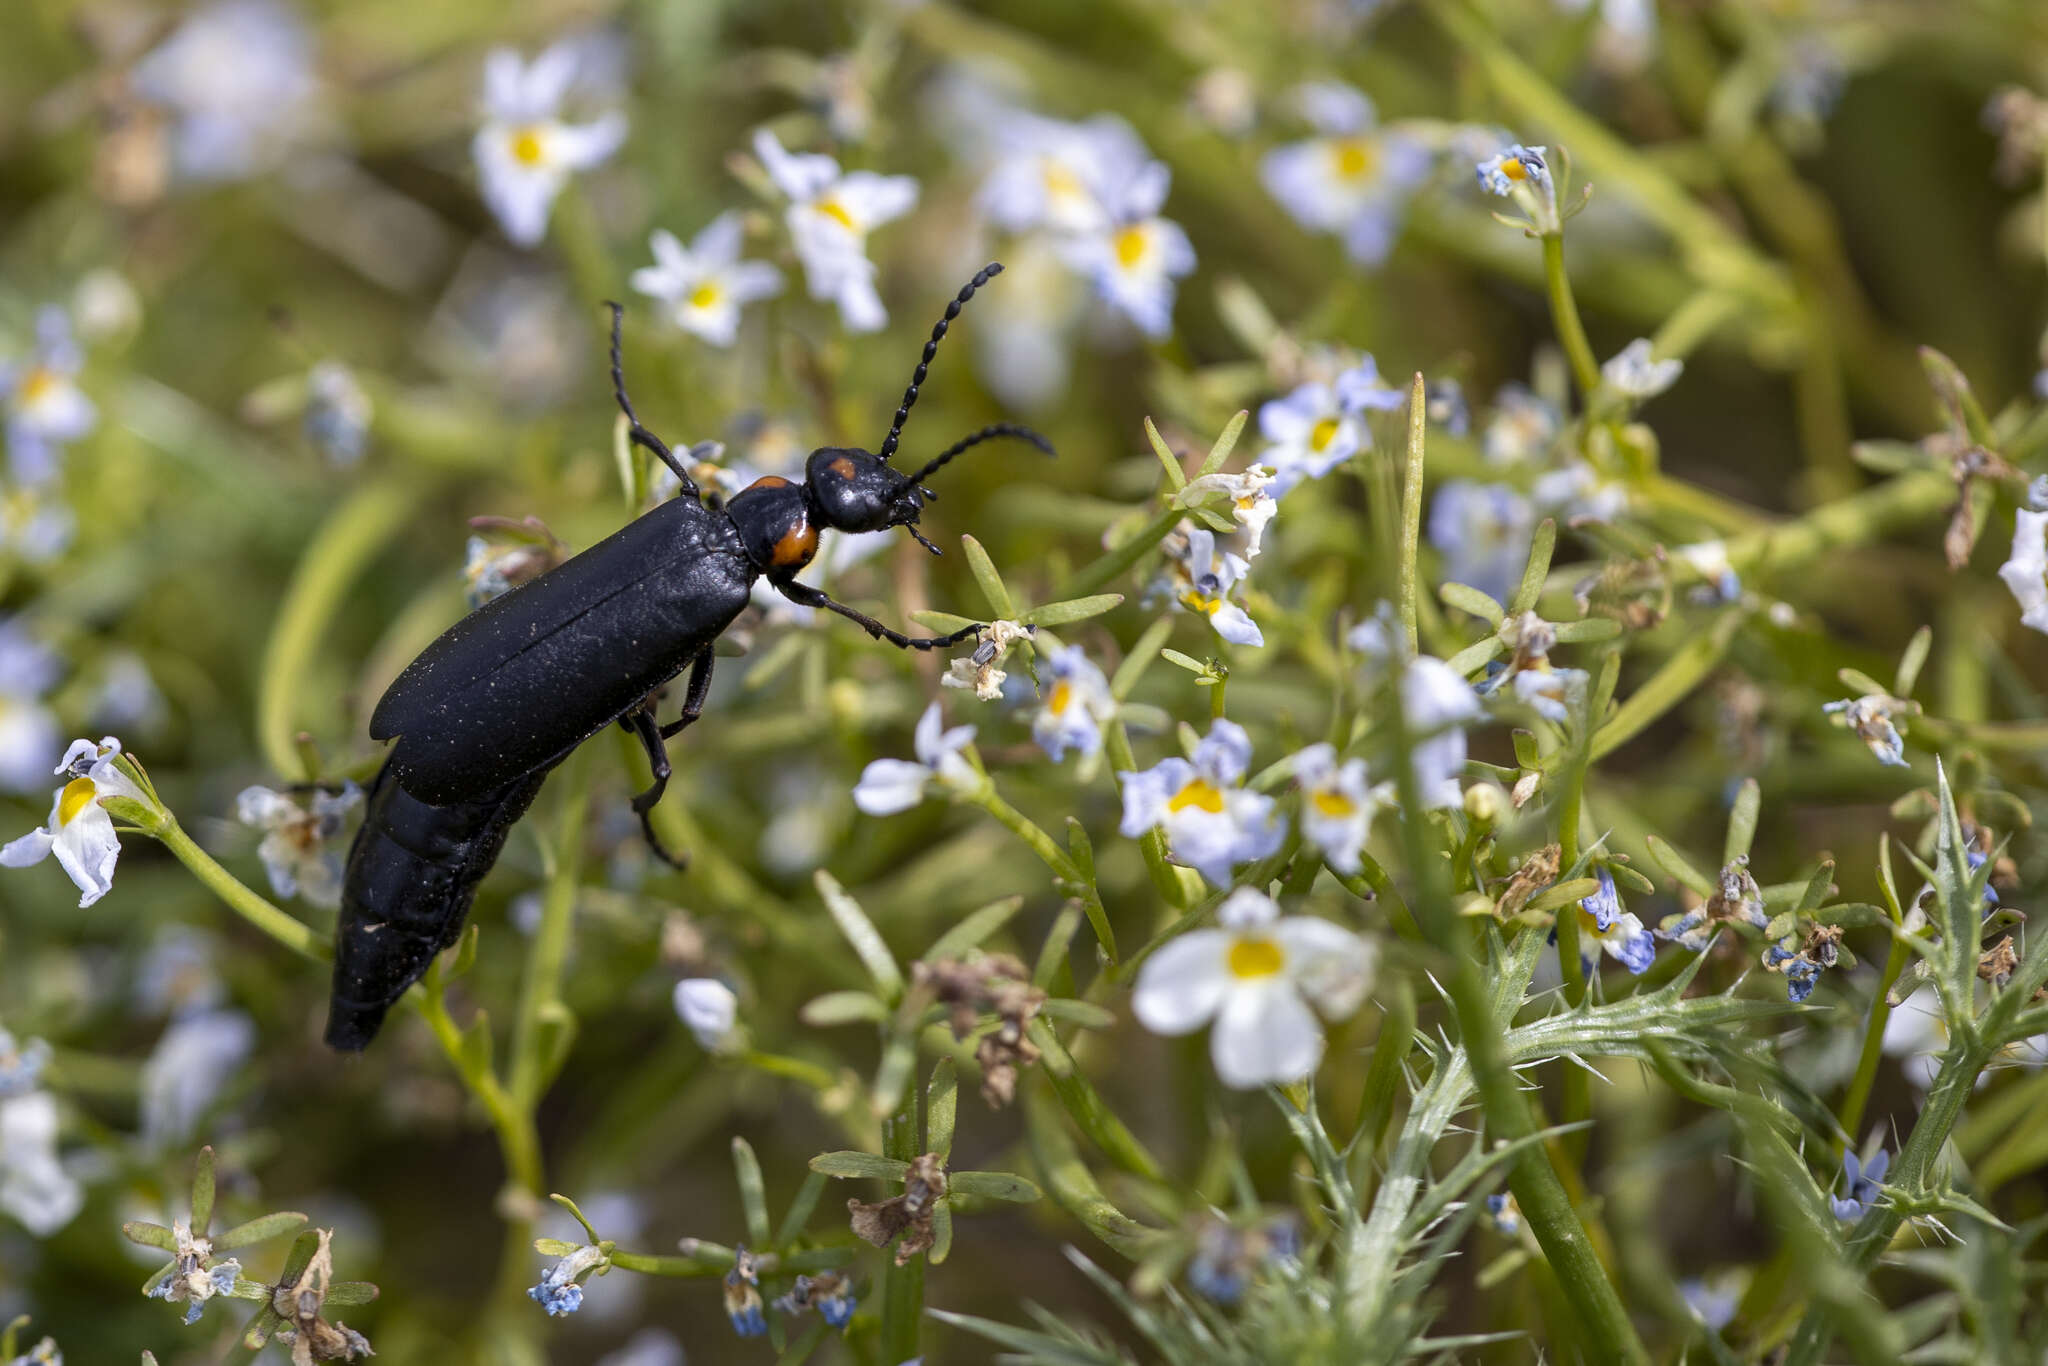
{"x":506,"y":693}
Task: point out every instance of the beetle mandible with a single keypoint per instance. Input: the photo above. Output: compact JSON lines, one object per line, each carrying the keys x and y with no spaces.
{"x":488,"y":709}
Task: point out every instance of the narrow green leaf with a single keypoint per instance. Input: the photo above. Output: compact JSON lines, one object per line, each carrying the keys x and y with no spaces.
{"x":575,"y":1212}
{"x":554,"y":1247}
{"x":1479,"y":653}
{"x":150,"y":1235}
{"x":753,"y":1190}
{"x":993,"y":589}
{"x":1086,"y":1108}
{"x":861,"y":933}
{"x":1526,"y":753}
{"x":1541,"y":547}
{"x":942,"y":1234}
{"x":258,"y":1230}
{"x":972,"y":929}
{"x":1140,"y":658}
{"x":1911,"y":662}
{"x":1742,"y":821}
{"x":465,"y":953}
{"x":202,"y":1190}
{"x":1674,"y":865}
{"x":1627,"y":877}
{"x":892,"y":1074}
{"x":1052,"y":955}
{"x":1188,"y":662}
{"x":1564,"y":893}
{"x":1072,"y":610}
{"x":849,"y":1165}
{"x":801,"y":1208}
{"x":1817,"y":887}
{"x":942,"y":1109}
{"x":1226,"y":442}
{"x":1857,"y":681}
{"x":944,"y":623}
{"x":1687,"y":668}
{"x":477,"y":1045}
{"x":993,"y":1186}
{"x":1466,"y":598}
{"x":1176,"y":477}
{"x":1080,"y":1014}
{"x":1586,"y":630}
{"x":843,"y":1007}
{"x":348,"y":1294}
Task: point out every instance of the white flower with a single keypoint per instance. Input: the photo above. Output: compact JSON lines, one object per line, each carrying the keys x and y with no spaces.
{"x":1256,"y":977}
{"x":35,"y":528}
{"x":1212,"y":823}
{"x":1436,"y":704}
{"x":185,"y":1075}
{"x":1203,"y":576}
{"x":238,"y":77}
{"x":1058,"y":176}
{"x":1135,"y":256}
{"x":1575,"y":492}
{"x":524,"y":151}
{"x":1632,"y":373}
{"x":709,"y":1008}
{"x":891,"y":785}
{"x":28,"y":729}
{"x":1554,"y":693}
{"x":1522,"y":428}
{"x":34,"y":1187}
{"x":1917,"y":1036}
{"x":705,"y":284}
{"x":1361,"y":387}
{"x":295,"y":850}
{"x":979,"y":672}
{"x":1484,"y":531}
{"x":80,"y":832}
{"x":21,"y":1065}
{"x":1310,"y":433}
{"x":1337,"y":807}
{"x":44,"y":1353}
{"x":1352,"y":180}
{"x":1076,"y":706}
{"x":45,"y":407}
{"x":2026,"y":571}
{"x":831,"y":212}
{"x":1381,"y":638}
{"x":1251,"y":503}
{"x":1521,"y":174}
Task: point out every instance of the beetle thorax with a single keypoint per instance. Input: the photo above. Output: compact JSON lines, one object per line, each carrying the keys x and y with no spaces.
{"x":774,"y":521}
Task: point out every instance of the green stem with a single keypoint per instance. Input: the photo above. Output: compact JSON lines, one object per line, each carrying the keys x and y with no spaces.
{"x":540,"y":993}
{"x":1113,"y":563}
{"x":1411,"y":513}
{"x":1873,"y":1043}
{"x":902,"y":1286}
{"x":1564,"y":314}
{"x":291,"y":933}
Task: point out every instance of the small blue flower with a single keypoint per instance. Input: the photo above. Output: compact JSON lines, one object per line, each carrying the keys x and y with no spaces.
{"x":743,"y":1300}
{"x":1619,"y":932}
{"x":1361,"y":387}
{"x":1483,"y":531}
{"x":828,"y":1292}
{"x":558,"y":1292}
{"x":1505,"y":1213}
{"x":1862,"y":1182}
{"x":1502,"y":172}
{"x":1870,"y":717}
{"x":21,"y":1065}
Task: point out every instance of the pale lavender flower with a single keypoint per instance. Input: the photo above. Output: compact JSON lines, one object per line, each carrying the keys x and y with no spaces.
{"x":525,"y":151}
{"x":705,"y":284}
{"x":1354,"y":179}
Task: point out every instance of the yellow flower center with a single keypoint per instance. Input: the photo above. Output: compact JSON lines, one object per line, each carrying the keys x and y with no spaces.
{"x":528,"y":148}
{"x":1130,"y":246}
{"x":1062,"y":696}
{"x":78,"y":795}
{"x":38,"y":384}
{"x":1323,"y":433}
{"x":836,"y":211}
{"x":1353,"y":158}
{"x":1513,"y":169}
{"x":704,"y":295}
{"x":1061,"y":183}
{"x":1201,"y":794}
{"x":1330,"y":802}
{"x":1251,"y":958}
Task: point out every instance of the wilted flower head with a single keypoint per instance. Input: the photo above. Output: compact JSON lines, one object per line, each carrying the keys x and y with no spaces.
{"x":705,"y":284}
{"x":1203,"y":577}
{"x":980,"y":672}
{"x":985,"y":984}
{"x":80,"y":832}
{"x":1870,"y":716}
{"x":828,"y":1292}
{"x":300,"y":1304}
{"x":238,"y":78}
{"x":1802,"y":967}
{"x":45,"y":407}
{"x":1251,"y":500}
{"x":1076,"y":707}
{"x":1257,"y":977}
{"x":1212,"y":823}
{"x":890,"y":785}
{"x":1632,"y":373}
{"x":909,"y":1214}
{"x":559,"y":1292}
{"x":295,"y":849}
{"x":1352,"y":179}
{"x":1736,"y":900}
{"x":1523,"y":175}
{"x":525,"y":152}
{"x":830,"y":214}
{"x":194,"y":1276}
{"x":743,"y":1297}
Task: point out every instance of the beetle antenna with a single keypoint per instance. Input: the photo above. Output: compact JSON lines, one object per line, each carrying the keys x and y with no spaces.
{"x":931,"y":348}
{"x":640,"y":435}
{"x":988,"y":433}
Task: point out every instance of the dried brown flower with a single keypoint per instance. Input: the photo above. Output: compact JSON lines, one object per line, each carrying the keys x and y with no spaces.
{"x":909,"y":1214}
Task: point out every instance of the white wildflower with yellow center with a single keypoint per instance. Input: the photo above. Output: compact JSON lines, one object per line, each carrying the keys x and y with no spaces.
{"x":1135,"y":257}
{"x":831,"y":212}
{"x":297,"y":844}
{"x":1353,"y":179}
{"x":1337,"y":804}
{"x":1212,"y":822}
{"x":890,"y":785}
{"x":80,"y":832}
{"x":1309,"y":433}
{"x":1262,"y":977}
{"x":525,"y":152}
{"x":28,"y":729}
{"x":706,"y":283}
{"x":45,"y":407}
{"x":1203,"y":578}
{"x":1077,"y":705}
{"x":1055,"y":175}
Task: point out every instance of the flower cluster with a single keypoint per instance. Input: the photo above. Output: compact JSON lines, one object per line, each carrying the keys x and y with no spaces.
{"x":829,"y":215}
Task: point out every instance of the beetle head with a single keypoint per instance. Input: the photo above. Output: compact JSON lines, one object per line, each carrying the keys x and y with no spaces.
{"x":852,"y":490}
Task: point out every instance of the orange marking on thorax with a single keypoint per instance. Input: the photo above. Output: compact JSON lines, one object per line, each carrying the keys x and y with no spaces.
{"x":797,"y":545}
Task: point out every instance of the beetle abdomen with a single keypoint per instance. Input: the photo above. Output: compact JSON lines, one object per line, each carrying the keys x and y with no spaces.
{"x":412,"y":874}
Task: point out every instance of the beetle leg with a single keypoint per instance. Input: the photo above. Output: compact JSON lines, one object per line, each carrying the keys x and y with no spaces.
{"x":641,"y":723}
{"x":693,"y":700}
{"x":806,"y":596}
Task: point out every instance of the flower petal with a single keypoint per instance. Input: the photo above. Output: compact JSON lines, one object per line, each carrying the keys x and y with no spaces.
{"x":1264,"y":1034}
{"x":1184,"y":983}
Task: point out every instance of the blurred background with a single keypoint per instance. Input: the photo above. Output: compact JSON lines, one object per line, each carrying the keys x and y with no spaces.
{"x":266,"y":233}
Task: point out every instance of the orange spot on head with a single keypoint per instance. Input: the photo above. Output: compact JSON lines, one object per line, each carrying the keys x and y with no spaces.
{"x":843,"y":467}
{"x":769,"y":481}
